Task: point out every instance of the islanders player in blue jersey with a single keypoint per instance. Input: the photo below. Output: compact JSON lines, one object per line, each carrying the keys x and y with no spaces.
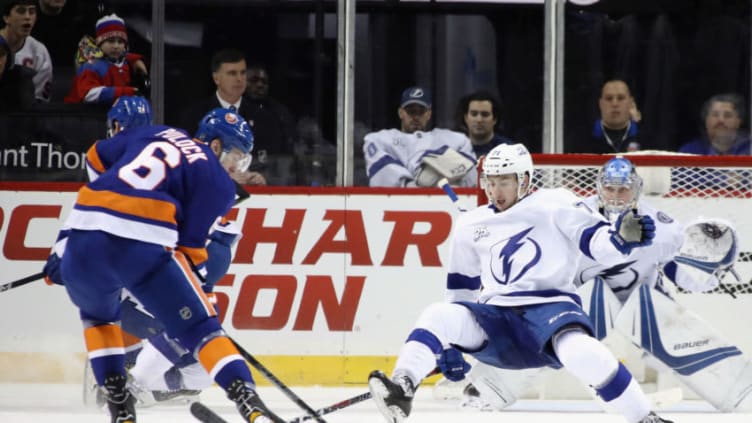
{"x":142,"y":224}
{"x":161,"y":370}
{"x":520,"y":249}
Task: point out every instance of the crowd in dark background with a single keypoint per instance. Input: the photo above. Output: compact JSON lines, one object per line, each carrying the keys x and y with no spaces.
{"x":673,"y":54}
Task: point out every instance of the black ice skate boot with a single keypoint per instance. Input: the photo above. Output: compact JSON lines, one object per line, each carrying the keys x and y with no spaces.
{"x":653,"y":418}
{"x":394,"y":398}
{"x":119,"y":400}
{"x":250,"y":405}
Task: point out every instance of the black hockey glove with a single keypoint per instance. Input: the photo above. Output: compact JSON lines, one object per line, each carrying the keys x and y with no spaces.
{"x":631,"y":230}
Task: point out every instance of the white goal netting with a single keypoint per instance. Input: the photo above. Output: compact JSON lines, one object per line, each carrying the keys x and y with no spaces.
{"x":685,"y":187}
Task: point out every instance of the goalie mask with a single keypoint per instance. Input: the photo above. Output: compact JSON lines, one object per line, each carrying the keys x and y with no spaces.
{"x":505,"y":159}
{"x":619,"y":186}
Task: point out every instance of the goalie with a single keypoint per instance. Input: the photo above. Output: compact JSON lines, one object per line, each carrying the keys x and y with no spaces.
{"x":630,"y":300}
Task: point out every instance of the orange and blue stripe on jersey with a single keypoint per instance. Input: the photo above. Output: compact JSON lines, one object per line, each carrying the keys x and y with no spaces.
{"x":145,"y":219}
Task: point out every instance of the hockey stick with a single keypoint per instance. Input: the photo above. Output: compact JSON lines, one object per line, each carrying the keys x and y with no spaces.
{"x":724,"y":286}
{"x":347,"y":402}
{"x":205,"y":414}
{"x":443,"y":183}
{"x":278,"y":383}
{"x":22,"y":281}
{"x":336,"y":406}
{"x":240,"y":194}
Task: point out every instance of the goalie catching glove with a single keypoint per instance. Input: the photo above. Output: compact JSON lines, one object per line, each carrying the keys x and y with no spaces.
{"x":632,"y":230}
{"x":443,"y":163}
{"x":710,"y":247}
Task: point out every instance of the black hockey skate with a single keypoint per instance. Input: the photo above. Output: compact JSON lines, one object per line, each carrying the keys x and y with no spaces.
{"x":250,"y":405}
{"x":653,"y":418}
{"x":394,"y":398}
{"x":119,"y":400}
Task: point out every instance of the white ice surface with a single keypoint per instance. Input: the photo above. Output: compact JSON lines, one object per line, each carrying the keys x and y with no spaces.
{"x":35,"y":403}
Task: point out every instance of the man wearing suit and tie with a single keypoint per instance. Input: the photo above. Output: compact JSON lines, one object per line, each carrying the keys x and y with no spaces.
{"x":229,"y":74}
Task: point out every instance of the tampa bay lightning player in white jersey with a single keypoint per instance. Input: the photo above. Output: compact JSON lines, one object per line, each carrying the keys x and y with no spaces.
{"x":395,"y":157}
{"x":522,"y":250}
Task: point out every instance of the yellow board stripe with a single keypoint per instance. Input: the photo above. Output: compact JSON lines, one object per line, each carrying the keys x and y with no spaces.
{"x":17,"y":367}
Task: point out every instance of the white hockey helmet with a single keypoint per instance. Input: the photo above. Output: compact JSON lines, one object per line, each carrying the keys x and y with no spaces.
{"x":618,"y":172}
{"x":505,"y":159}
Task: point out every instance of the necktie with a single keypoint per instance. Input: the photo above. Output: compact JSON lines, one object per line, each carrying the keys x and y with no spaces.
{"x":233,"y":108}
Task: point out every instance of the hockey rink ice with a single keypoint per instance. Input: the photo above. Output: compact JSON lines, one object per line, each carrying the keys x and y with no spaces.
{"x":62,"y":403}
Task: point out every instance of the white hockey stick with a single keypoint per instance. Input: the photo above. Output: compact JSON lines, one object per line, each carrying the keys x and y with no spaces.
{"x":443,"y":183}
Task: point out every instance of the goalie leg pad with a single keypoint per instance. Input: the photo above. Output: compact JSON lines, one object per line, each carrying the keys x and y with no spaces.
{"x":702,"y":360}
{"x":501,"y":388}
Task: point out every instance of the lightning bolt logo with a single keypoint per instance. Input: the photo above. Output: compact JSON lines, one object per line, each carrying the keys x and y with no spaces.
{"x":515,"y":257}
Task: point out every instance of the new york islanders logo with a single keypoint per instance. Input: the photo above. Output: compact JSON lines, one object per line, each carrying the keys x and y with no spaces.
{"x":512,"y":258}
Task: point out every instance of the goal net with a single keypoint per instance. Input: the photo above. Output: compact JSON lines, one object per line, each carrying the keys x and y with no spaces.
{"x":684,"y":187}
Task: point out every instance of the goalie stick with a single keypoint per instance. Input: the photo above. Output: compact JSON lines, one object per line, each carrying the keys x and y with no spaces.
{"x":278,"y":383}
{"x":443,"y":183}
{"x":22,"y":281}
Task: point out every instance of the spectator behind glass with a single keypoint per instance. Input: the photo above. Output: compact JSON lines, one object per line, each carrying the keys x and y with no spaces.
{"x":16,"y":86}
{"x":414,"y":155}
{"x":272,"y":124}
{"x":228,"y":67}
{"x":19,"y":17}
{"x":721,"y":116}
{"x":479,"y":117}
{"x":59,"y":29}
{"x":106,"y":76}
{"x":315,"y":156}
{"x":616,"y":131}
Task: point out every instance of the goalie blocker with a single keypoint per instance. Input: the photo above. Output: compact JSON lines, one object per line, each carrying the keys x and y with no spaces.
{"x":444,"y":163}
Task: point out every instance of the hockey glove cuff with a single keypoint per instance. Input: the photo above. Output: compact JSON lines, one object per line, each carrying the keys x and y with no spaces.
{"x":453,"y":366}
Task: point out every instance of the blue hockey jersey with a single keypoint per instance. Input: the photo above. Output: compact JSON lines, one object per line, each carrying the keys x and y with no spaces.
{"x":154,"y":184}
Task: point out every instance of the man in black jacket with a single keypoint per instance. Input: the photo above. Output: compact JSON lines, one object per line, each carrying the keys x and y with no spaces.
{"x":228,"y":68}
{"x":16,"y":85}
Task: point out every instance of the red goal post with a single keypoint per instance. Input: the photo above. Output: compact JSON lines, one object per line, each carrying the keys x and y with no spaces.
{"x":683,"y":186}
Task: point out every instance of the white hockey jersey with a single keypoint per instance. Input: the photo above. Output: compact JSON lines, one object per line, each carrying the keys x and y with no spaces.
{"x":393,"y":157}
{"x":529,"y":253}
{"x":34,"y":55}
{"x":643,"y":264}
